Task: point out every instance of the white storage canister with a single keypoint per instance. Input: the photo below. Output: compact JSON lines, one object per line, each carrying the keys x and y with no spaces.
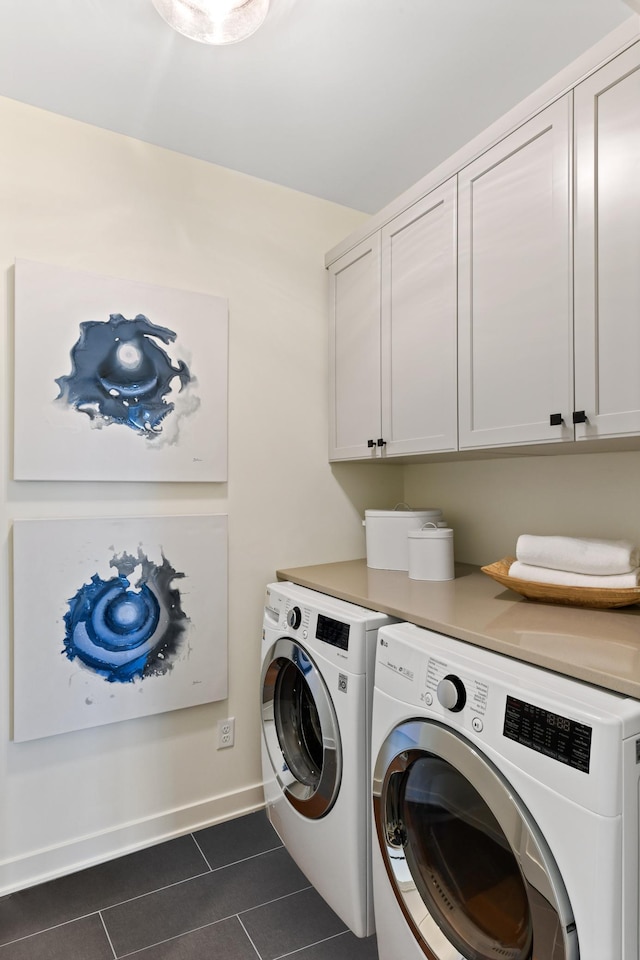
{"x":431,"y":553}
{"x":386,"y":535}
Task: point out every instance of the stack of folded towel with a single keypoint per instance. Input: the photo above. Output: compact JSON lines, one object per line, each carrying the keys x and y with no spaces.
{"x":577,"y":561}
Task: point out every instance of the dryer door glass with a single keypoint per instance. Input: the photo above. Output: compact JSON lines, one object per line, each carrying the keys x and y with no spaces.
{"x":300,"y":729}
{"x":462,"y":864}
{"x":469,"y":867}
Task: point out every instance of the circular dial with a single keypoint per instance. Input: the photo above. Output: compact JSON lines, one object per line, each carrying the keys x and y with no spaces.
{"x":451,"y":693}
{"x":294,"y":617}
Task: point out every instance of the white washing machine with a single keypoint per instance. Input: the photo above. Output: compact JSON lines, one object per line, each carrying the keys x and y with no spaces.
{"x":316,"y":690}
{"x":505,"y":807}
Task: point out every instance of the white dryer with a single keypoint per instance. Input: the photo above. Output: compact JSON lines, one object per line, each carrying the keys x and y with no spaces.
{"x":505,"y":807}
{"x":316,"y":690}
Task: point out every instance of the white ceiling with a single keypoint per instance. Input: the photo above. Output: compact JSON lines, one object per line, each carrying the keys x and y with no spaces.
{"x":350,"y":100}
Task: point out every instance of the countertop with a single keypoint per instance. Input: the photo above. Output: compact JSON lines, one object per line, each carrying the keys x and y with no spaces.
{"x":601,"y":647}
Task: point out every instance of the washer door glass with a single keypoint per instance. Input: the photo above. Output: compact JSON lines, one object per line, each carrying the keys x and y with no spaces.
{"x":473,"y":876}
{"x":300,"y":729}
{"x":298,"y":725}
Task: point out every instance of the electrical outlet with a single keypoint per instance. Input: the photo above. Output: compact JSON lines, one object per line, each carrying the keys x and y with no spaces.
{"x":226,"y":732}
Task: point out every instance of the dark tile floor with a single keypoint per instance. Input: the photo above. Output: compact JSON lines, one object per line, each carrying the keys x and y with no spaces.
{"x":229,"y":892}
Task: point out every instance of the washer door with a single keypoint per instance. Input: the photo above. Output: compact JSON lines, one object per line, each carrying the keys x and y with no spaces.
{"x":300,"y":729}
{"x":471,"y":871}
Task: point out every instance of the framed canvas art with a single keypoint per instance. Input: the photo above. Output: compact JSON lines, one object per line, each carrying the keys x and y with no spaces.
{"x":117,"y":379}
{"x":116,"y":619}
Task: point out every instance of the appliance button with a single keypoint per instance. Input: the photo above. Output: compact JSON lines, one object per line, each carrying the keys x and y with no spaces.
{"x":428,"y":699}
{"x":477,"y":724}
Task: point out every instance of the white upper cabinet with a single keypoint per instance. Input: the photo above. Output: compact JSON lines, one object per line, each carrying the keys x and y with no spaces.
{"x":354,"y":334}
{"x":515,"y":287}
{"x":419,"y":376}
{"x":393,"y":336}
{"x":506,"y":293}
{"x":607,"y":249}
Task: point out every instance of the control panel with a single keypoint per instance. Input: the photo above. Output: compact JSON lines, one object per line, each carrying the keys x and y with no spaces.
{"x":549,"y":733}
{"x":327,"y":629}
{"x":333,"y":632}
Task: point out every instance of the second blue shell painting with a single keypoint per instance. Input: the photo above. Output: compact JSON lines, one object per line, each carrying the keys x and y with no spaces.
{"x":117,"y":379}
{"x":130,"y":620}
{"x":124,"y":627}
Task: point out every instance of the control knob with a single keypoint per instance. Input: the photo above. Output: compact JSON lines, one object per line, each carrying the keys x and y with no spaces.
{"x":294,"y":617}
{"x":451,"y":693}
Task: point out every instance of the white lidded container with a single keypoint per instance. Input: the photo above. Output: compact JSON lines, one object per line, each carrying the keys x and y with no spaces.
{"x":431,"y":553}
{"x":386,"y":535}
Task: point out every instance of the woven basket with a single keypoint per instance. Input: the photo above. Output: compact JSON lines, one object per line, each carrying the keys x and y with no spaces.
{"x":598,"y":597}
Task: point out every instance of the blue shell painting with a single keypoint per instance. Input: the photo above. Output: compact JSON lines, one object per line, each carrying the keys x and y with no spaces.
{"x":121,"y":375}
{"x":118,"y":379}
{"x":123,"y":631}
{"x":130,"y":619}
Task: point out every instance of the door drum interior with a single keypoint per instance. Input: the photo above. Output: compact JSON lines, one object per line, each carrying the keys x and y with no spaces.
{"x":471,"y":871}
{"x":300,"y":729}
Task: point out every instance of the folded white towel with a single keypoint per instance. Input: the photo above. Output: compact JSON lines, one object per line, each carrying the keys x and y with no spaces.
{"x":566,"y":578}
{"x":578,"y":554}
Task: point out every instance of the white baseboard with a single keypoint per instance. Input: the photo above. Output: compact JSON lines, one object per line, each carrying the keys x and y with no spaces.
{"x":48,"y":863}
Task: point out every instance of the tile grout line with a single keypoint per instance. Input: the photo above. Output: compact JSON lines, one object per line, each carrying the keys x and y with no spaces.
{"x":54,"y":926}
{"x":149,"y":893}
{"x":248,"y":936}
{"x":278,"y":846}
{"x":197,"y":876}
{"x":178,"y":936}
{"x":267,"y":903}
{"x":192,"y":835}
{"x":292,"y":953}
{"x":110,"y":906}
{"x":203,"y":926}
{"x":106,"y":932}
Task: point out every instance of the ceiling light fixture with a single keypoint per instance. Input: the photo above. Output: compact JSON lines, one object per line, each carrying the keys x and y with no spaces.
{"x":214,"y":21}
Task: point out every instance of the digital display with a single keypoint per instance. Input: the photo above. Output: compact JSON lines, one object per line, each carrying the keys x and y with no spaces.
{"x":333,"y":632}
{"x":549,"y":733}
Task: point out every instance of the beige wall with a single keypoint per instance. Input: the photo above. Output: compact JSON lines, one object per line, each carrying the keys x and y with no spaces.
{"x":74,"y":195}
{"x":490,"y":502}
{"x":84,"y":198}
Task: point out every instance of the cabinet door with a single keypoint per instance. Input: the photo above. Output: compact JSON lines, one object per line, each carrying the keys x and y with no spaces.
{"x":515,"y":287}
{"x":419,"y":303}
{"x":607,"y":249}
{"x":354,"y":352}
